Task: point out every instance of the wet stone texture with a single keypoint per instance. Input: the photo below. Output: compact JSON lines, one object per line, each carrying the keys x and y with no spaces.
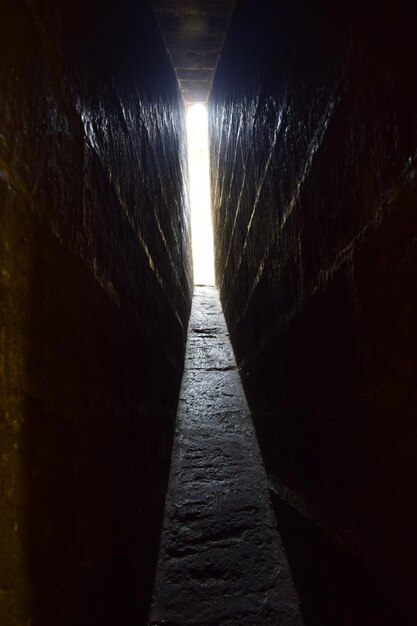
{"x":313,"y":123}
{"x":95,"y":294}
{"x":221,"y":560}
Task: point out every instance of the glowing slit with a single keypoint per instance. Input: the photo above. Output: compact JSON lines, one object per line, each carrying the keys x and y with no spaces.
{"x":199,"y":180}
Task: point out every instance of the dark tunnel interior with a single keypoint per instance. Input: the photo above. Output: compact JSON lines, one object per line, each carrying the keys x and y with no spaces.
{"x":312,"y":128}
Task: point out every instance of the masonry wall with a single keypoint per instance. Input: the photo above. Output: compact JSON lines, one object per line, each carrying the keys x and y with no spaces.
{"x":313,"y":157}
{"x":95,"y":291}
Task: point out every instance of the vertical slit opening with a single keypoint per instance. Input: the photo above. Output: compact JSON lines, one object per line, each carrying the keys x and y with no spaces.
{"x":199,"y":183}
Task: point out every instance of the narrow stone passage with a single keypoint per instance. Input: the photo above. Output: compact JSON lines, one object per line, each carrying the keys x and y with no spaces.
{"x":221,"y":560}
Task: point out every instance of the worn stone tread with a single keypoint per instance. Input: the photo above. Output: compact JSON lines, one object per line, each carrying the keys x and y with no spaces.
{"x":221,"y":560}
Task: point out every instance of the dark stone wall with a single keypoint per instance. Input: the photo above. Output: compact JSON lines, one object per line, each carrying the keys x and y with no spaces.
{"x":313,"y":155}
{"x":95,"y":287}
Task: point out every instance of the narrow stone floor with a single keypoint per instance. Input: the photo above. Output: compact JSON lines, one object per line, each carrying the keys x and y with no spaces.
{"x":221,"y":561}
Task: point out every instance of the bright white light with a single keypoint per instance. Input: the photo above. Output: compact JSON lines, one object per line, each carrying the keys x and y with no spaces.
{"x":198,"y":169}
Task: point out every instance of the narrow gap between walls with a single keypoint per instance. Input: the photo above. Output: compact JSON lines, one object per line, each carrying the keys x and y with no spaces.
{"x":199,"y":186}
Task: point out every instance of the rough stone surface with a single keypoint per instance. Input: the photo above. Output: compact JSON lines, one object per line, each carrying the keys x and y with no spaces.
{"x":221,"y":560}
{"x":95,"y":292}
{"x":194,"y":32}
{"x":313,"y":122}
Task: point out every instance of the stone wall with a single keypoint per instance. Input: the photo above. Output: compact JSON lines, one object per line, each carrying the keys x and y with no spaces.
{"x":313,"y":157}
{"x":95,"y":296}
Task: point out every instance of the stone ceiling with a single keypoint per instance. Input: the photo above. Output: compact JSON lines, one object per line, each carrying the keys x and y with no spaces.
{"x":194,"y":32}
